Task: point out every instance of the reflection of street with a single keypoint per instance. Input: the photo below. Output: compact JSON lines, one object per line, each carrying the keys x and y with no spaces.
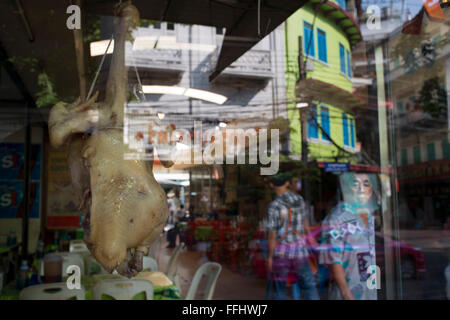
{"x":432,"y":285}
{"x":435,"y":245}
{"x":427,"y":240}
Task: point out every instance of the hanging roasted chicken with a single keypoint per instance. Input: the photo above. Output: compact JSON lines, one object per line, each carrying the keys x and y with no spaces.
{"x":124,"y":208}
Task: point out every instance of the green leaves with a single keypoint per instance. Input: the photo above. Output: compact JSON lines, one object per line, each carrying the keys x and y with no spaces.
{"x":433,"y":98}
{"x":25,"y":62}
{"x":46,"y":96}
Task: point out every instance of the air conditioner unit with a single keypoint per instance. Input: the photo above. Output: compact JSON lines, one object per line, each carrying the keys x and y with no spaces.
{"x":309,"y":65}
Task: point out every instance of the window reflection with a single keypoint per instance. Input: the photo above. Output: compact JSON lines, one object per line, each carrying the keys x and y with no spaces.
{"x":356,"y":92}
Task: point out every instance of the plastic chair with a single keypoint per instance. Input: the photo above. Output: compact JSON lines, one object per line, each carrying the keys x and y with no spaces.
{"x":212,"y":271}
{"x":123,"y":289}
{"x":93,"y":267}
{"x":78,"y":247}
{"x":149,"y":263}
{"x":155,"y":245}
{"x":52,"y":291}
{"x":171,"y":269}
{"x":71,"y":258}
{"x":76,"y":241}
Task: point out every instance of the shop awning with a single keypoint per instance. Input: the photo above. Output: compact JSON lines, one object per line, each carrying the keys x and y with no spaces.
{"x":239,"y":17}
{"x":315,"y":90}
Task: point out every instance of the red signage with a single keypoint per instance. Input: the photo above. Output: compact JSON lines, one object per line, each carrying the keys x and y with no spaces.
{"x":434,"y":10}
{"x":425,"y":172}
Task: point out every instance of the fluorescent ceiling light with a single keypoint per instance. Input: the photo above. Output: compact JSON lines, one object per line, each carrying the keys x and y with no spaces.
{"x":302,"y":104}
{"x":161,"y":115}
{"x":171,"y":176}
{"x":188,"y":92}
{"x":179,"y":91}
{"x":205,"y":95}
{"x":98,"y":48}
{"x":168,"y":42}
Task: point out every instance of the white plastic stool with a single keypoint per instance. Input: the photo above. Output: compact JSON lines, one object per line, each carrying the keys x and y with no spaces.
{"x":123,"y":289}
{"x":149,"y":263}
{"x":52,"y":291}
{"x":212,"y":271}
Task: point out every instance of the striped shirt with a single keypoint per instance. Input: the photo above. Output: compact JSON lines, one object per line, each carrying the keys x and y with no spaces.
{"x":290,"y":244}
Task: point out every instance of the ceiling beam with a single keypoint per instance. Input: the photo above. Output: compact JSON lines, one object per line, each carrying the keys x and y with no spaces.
{"x":15,"y":77}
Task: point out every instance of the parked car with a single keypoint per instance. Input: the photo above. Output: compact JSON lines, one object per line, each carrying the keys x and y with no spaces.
{"x":412,"y":259}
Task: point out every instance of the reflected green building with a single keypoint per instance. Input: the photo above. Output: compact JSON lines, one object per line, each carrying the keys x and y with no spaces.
{"x":320,"y":36}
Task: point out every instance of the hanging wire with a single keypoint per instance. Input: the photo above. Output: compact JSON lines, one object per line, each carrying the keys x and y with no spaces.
{"x":99,"y":68}
{"x":101,"y":64}
{"x":259,"y":18}
{"x":140,"y":88}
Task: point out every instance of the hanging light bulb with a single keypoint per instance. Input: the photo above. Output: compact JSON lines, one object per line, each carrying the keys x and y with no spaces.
{"x":161,"y":115}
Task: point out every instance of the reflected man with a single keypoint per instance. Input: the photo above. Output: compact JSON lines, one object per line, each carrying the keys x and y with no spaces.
{"x":348,"y":238}
{"x":287,"y":248}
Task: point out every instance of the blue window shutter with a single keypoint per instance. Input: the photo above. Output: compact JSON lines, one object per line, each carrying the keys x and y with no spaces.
{"x":416,"y":153}
{"x":322,"y":44}
{"x":404,"y":157}
{"x":349,"y":65}
{"x":312,"y":127}
{"x":431,"y":152}
{"x":308,"y":39}
{"x":325,"y":121}
{"x":352,"y":132}
{"x":345,"y":128}
{"x":445,"y":149}
{"x":342,"y":57}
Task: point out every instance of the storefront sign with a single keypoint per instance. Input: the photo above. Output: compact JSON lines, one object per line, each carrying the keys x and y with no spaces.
{"x":61,"y":199}
{"x":434,"y":10}
{"x":11,"y":199}
{"x":336,"y":167}
{"x":11,"y":161}
{"x":12,"y":180}
{"x":426,"y":171}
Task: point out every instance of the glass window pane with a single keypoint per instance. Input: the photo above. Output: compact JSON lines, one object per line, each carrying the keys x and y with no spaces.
{"x":179,"y":126}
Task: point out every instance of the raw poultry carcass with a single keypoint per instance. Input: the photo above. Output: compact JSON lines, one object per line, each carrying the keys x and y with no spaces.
{"x":124,"y":208}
